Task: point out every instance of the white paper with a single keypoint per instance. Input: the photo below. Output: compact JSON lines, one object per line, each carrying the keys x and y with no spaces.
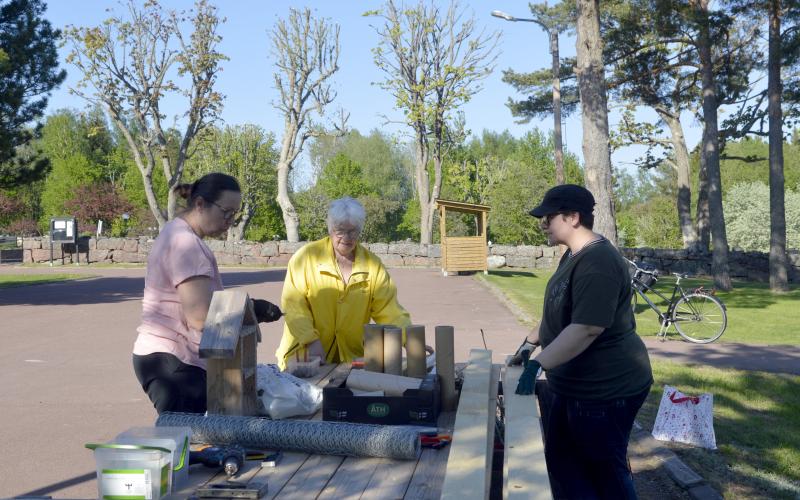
{"x":70,"y":227}
{"x":133,"y":483}
{"x":59,"y":224}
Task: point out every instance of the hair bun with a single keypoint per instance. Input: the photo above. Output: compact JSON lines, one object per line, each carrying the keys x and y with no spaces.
{"x":183,"y":190}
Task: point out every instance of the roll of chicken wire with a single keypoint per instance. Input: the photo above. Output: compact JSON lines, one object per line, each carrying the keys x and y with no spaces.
{"x":308,"y":436}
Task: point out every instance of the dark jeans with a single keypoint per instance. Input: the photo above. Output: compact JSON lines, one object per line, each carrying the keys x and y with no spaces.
{"x":170,"y":384}
{"x":586,"y":446}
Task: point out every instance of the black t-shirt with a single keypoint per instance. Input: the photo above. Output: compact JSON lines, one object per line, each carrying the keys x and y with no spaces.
{"x":593,"y":288}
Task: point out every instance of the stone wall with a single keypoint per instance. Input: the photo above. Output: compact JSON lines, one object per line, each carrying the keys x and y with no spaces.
{"x":744,"y":265}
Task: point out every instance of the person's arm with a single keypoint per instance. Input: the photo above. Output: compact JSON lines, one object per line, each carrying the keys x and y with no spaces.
{"x":573,"y":340}
{"x":385,"y":309}
{"x":195,"y":296}
{"x":296,"y":310}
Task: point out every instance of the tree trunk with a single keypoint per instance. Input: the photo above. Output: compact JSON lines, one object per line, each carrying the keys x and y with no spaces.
{"x":703,"y":224}
{"x":290,"y":218}
{"x":423,"y":190}
{"x":592,"y":86}
{"x":236,"y":232}
{"x":559,"y":148}
{"x":778,"y":265}
{"x":719,"y":240}
{"x":673,"y":120}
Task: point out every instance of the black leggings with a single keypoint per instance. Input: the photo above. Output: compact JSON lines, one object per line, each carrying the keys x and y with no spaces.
{"x":170,"y":384}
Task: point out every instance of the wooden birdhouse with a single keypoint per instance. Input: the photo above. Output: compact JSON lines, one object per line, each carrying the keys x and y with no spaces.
{"x":230,"y":337}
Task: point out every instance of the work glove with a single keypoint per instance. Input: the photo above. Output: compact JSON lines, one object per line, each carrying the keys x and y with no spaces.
{"x":523,"y":352}
{"x":266,"y":312}
{"x":527,"y":381}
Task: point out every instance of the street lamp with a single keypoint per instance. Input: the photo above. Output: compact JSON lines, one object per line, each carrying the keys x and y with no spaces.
{"x":509,"y":17}
{"x":552,"y":31}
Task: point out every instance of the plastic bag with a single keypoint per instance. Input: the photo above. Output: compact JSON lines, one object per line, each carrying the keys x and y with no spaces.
{"x":285,"y":395}
{"x":686,"y":419}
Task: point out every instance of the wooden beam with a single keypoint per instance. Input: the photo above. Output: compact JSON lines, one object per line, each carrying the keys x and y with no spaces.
{"x":524,"y":467}
{"x":469,"y":466}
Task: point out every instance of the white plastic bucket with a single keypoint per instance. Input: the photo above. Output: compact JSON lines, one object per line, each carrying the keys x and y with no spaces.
{"x":175,"y":439}
{"x":132,"y":472}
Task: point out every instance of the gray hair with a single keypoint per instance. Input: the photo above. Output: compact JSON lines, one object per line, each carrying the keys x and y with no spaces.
{"x":346,"y":211}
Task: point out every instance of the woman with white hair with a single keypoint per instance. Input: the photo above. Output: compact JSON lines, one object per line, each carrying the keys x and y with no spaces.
{"x":333,"y":287}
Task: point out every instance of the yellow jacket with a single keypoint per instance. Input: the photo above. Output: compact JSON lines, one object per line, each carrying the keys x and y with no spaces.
{"x":318,"y":304}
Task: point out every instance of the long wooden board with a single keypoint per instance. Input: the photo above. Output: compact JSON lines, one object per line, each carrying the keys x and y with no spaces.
{"x":524,"y":467}
{"x":468,"y":473}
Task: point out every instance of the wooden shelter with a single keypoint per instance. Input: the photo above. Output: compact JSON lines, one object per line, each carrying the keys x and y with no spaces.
{"x":230,"y":337}
{"x":464,"y":253}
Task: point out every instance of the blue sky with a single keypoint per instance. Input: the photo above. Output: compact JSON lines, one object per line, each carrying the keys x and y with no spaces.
{"x":247,"y":82}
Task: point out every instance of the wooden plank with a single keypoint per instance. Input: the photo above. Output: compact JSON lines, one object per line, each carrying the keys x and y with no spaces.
{"x":350,"y":479}
{"x":223,"y":324}
{"x":390,"y":479}
{"x":468,"y":472}
{"x":426,"y":483}
{"x":524,"y":467}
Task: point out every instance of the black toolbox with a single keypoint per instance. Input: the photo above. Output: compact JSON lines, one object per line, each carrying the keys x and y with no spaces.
{"x":416,"y":406}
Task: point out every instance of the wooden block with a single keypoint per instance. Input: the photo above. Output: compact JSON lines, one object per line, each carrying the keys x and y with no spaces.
{"x":445,"y":366}
{"x":373,"y":348}
{"x":415,"y":351}
{"x":392,"y":350}
{"x":469,"y":466}
{"x":524,"y":467}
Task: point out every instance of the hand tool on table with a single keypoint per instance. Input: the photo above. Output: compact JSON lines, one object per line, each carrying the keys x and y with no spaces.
{"x":233,"y":489}
{"x":230,"y":458}
{"x":434,"y":440}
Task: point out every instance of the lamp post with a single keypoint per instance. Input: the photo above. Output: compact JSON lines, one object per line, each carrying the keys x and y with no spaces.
{"x":552,"y":31}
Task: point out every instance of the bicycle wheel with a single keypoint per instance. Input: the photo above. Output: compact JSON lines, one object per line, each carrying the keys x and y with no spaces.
{"x":699,"y":318}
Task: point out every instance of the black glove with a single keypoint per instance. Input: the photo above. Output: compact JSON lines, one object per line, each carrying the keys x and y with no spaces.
{"x":266,"y":312}
{"x":523,"y":352}
{"x":527,"y":381}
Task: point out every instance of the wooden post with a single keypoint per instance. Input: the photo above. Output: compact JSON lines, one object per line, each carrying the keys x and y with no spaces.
{"x":446,"y":366}
{"x":415,"y":351}
{"x":392,"y":350}
{"x":373,"y":348}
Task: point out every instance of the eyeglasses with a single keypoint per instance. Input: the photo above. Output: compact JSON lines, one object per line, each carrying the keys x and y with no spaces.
{"x":227,"y":213}
{"x":547,"y":219}
{"x":351,"y":234}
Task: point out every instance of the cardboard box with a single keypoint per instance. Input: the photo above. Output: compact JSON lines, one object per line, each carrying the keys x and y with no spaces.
{"x":416,"y":406}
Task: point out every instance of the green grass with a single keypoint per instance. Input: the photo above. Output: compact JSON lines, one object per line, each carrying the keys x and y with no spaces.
{"x":755,"y":315}
{"x":756,"y":422}
{"x":13,"y":280}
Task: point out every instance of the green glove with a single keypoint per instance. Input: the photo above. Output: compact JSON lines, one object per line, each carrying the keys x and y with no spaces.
{"x":527,"y":381}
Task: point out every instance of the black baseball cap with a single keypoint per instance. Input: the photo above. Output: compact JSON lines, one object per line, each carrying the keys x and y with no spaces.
{"x":565,"y":198}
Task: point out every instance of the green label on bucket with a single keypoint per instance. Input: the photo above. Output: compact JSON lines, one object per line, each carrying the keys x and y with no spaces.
{"x":125,"y":484}
{"x":164,"y":479}
{"x":378,"y":410}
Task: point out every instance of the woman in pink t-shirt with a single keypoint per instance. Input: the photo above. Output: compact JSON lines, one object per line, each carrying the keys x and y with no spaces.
{"x":182,"y":275}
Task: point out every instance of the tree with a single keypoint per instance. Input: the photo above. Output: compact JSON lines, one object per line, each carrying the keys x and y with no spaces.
{"x":306,"y":52}
{"x":28,"y":73}
{"x":594,"y":107}
{"x":747,"y":217}
{"x":342,"y":177}
{"x":554,"y":21}
{"x":247,"y":153}
{"x":129,"y":63}
{"x":96,"y":202}
{"x":433,"y":62}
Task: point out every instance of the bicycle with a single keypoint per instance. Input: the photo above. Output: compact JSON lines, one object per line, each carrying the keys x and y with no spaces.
{"x":698,"y":315}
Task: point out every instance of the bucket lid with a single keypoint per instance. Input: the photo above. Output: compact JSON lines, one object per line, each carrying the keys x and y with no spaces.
{"x":94,"y":446}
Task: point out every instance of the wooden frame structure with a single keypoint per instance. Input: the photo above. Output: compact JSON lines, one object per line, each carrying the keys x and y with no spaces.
{"x":230,"y":337}
{"x":464,"y":253}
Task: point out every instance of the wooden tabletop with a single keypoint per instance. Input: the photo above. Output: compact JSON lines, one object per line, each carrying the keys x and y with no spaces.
{"x":303,"y":475}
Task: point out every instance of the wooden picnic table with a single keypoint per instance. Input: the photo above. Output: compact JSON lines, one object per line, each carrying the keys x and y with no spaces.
{"x":459,"y":471}
{"x":304,"y":475}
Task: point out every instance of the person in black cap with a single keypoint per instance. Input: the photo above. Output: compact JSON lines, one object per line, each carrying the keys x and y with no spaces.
{"x":598,"y":370}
